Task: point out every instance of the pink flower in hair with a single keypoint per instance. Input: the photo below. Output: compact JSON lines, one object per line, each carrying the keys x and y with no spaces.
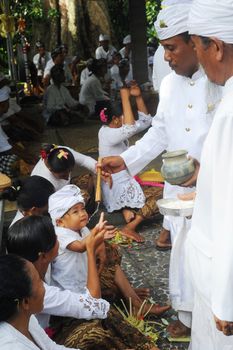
{"x":103,"y":116}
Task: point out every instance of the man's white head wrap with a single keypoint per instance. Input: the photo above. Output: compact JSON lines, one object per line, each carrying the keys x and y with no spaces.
{"x":4,"y":93}
{"x":64,"y":199}
{"x":127,"y":39}
{"x":103,"y":37}
{"x":212,"y":18}
{"x":172,"y":20}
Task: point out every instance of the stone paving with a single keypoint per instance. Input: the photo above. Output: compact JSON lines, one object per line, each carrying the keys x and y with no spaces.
{"x":147,"y":267}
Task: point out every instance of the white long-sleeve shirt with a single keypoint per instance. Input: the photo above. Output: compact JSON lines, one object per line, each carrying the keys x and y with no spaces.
{"x":182,"y":121}
{"x":114,"y":141}
{"x":69,"y":304}
{"x":125,"y":191}
{"x":91,"y":92}
{"x":41,"y":169}
{"x":11,"y":338}
{"x":212,"y":222}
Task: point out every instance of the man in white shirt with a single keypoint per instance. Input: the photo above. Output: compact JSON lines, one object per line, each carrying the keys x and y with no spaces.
{"x":57,"y":57}
{"x":183,"y":119}
{"x":105,"y":50}
{"x":40,"y":59}
{"x":126,"y":51}
{"x":210,"y":241}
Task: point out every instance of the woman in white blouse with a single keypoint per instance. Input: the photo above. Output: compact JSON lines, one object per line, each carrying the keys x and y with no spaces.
{"x":125,"y":193}
{"x":21,"y":295}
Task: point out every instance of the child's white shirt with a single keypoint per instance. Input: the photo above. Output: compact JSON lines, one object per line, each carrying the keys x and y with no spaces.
{"x":69,"y":269}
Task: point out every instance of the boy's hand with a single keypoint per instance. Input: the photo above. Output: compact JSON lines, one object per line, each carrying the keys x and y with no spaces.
{"x":134,"y":89}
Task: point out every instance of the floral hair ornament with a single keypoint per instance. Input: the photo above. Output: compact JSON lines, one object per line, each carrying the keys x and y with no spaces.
{"x":62,"y":154}
{"x":43,"y":154}
{"x":103,"y":116}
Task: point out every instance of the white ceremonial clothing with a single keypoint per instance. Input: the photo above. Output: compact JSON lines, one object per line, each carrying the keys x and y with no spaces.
{"x":48,"y":67}
{"x":41,"y":169}
{"x":210,"y":239}
{"x":161,"y":68}
{"x":91,"y":92}
{"x":56,"y":99}
{"x":211,"y":18}
{"x":117,"y":83}
{"x":4,"y":144}
{"x":69,"y":304}
{"x":13,"y":108}
{"x":122,"y":52}
{"x":125,"y":191}
{"x":180,"y":286}
{"x":69,"y":269}
{"x":84,"y":75}
{"x":182,"y":121}
{"x":17,"y":217}
{"x":40,"y":62}
{"x":107,"y":55}
{"x":11,"y":338}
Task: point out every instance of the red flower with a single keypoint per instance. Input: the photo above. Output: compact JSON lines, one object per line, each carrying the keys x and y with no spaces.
{"x":43,"y":154}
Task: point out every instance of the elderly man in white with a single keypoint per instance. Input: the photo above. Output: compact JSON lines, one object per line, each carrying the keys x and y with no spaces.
{"x":210,"y":241}
{"x":183,"y":119}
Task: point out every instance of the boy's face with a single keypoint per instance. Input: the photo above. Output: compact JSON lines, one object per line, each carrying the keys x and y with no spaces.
{"x":76,"y":218}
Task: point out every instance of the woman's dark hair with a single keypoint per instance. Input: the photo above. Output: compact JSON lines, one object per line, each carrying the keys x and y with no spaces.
{"x":31,"y":236}
{"x":32,"y":192}
{"x":15,"y":285}
{"x":59,"y":159}
{"x":109,"y":111}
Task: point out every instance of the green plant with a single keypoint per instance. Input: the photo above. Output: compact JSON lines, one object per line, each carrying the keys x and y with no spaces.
{"x":152,"y":9}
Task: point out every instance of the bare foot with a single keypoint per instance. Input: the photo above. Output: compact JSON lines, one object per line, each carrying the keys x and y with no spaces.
{"x":132,"y":234}
{"x":177,"y":329}
{"x":143,"y":293}
{"x":164,"y":240}
{"x":128,"y":214}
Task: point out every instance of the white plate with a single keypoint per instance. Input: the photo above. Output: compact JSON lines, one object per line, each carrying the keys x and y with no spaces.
{"x":175,"y":207}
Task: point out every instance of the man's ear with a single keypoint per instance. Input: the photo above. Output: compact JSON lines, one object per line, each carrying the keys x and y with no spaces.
{"x":217,"y":47}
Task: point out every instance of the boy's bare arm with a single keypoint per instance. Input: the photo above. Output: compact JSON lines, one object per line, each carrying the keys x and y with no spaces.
{"x":78,"y":246}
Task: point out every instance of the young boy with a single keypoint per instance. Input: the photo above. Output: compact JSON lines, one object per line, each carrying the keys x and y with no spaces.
{"x":69,"y":269}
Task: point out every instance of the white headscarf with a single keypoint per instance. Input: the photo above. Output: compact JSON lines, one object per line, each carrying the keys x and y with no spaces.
{"x":127,"y":39}
{"x":172,"y":20}
{"x":64,"y":199}
{"x":103,"y":37}
{"x":212,"y":18}
{"x":4,"y":93}
{"x":166,"y":3}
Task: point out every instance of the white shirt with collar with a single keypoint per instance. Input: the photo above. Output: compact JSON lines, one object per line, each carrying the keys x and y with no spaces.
{"x":211,"y":234}
{"x":69,"y":269}
{"x":101,"y":53}
{"x":11,"y":338}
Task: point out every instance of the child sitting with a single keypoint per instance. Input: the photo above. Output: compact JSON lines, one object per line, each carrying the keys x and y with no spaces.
{"x":67,"y":210}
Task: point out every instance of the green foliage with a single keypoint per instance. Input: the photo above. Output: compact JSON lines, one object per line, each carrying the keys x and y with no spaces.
{"x":152,"y":9}
{"x":29,"y":10}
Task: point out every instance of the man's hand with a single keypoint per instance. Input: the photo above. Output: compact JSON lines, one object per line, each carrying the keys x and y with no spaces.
{"x":187,"y":196}
{"x":224,"y":326}
{"x":192,"y":182}
{"x":113,"y":164}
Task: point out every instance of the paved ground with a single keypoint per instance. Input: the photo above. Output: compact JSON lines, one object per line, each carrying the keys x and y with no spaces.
{"x":144,"y":265}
